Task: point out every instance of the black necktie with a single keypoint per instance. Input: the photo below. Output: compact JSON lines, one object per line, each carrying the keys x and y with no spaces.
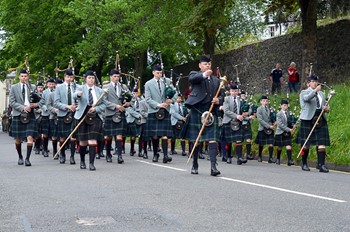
{"x":137,"y":104}
{"x":180,"y":111}
{"x":317,"y":102}
{"x":160,"y":90}
{"x":234,"y":105}
{"x":51,"y":90}
{"x":23,"y":92}
{"x":267,"y":111}
{"x":91,"y":99}
{"x":69,"y":95}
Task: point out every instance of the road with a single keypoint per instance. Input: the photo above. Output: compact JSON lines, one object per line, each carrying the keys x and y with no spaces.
{"x":143,"y":196}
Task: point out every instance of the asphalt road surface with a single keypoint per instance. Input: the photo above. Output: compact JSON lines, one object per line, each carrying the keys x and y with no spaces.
{"x":143,"y":196}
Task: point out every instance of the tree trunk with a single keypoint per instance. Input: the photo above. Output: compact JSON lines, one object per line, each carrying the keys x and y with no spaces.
{"x":309,"y":37}
{"x":209,"y":42}
{"x":140,"y":61}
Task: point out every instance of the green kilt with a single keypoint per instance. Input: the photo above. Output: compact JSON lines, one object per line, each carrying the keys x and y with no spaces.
{"x":90,"y":132}
{"x":230,"y":136}
{"x":320,"y":136}
{"x":131,"y":130}
{"x":282,"y":141}
{"x":193,"y":125}
{"x":247,"y":133}
{"x":53,"y":128}
{"x":64,"y":129}
{"x":21,"y":131}
{"x":111,"y":128}
{"x":44,"y":126}
{"x":159,"y":128}
{"x":262,"y":138}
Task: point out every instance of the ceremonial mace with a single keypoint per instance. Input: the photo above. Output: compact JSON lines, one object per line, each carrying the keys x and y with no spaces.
{"x":105,"y":91}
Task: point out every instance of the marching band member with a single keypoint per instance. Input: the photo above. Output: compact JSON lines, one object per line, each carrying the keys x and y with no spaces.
{"x":204,"y":87}
{"x":232,"y":129}
{"x":178,"y":118}
{"x":133,"y":119}
{"x":45,"y":116}
{"x":65,"y":104}
{"x":158,"y":121}
{"x":23,"y":123}
{"x":265,"y":130}
{"x":53,"y":117}
{"x":312,"y":101}
{"x":38,"y":143}
{"x":91,"y":129}
{"x":283,"y":135}
{"x":247,"y":133}
{"x":115,"y":121}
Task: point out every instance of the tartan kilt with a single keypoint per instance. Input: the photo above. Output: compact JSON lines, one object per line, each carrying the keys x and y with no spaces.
{"x":247,"y":134}
{"x":53,"y":128}
{"x":193,"y":125}
{"x":131,"y":129}
{"x":111,"y":128}
{"x":142,"y":132}
{"x":64,"y":129}
{"x":89,"y":132}
{"x":20,"y":131}
{"x":320,"y":136}
{"x":159,"y":128}
{"x":230,"y":136}
{"x":282,"y":141}
{"x":176,"y":132}
{"x":262,"y":138}
{"x":44,"y":126}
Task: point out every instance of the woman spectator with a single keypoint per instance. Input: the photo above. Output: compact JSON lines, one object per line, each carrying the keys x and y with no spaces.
{"x":293,"y":78}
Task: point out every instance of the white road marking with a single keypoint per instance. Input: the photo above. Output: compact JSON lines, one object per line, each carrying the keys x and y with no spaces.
{"x":254,"y":184}
{"x":283,"y":190}
{"x":26,"y":224}
{"x":162,"y":166}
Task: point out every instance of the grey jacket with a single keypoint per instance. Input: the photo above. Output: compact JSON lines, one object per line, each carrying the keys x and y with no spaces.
{"x":175,"y":114}
{"x":154,"y":97}
{"x":45,"y":102}
{"x":83,"y":101}
{"x":131,"y":114}
{"x":308,"y":103}
{"x":142,"y":110}
{"x":263,"y":117}
{"x":228,"y":109}
{"x":282,"y":123}
{"x":50,"y":105}
{"x":61,"y":99}
{"x":16,"y":100}
{"x":113,"y":98}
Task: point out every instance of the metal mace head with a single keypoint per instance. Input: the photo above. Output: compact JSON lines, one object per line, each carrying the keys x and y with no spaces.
{"x":223,"y":80}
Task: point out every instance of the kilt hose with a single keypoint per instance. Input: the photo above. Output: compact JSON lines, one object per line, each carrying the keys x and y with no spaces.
{"x":111,"y":128}
{"x":193,"y":125}
{"x":131,"y":130}
{"x":44,"y":126}
{"x":89,"y":132}
{"x":53,"y":128}
{"x":247,"y":133}
{"x":230,"y":136}
{"x":263,"y":139}
{"x":159,"y":128}
{"x":282,"y":141}
{"x":320,"y":136}
{"x":21,"y":131}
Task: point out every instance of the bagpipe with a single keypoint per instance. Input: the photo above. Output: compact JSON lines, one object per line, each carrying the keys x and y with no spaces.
{"x":34,"y":97}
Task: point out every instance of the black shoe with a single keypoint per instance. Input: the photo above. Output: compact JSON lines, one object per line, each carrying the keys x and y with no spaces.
{"x":224,"y":159}
{"x":27,"y":162}
{"x":20,"y":161}
{"x":82,"y":165}
{"x":132,"y":153}
{"x":324,"y":169}
{"x":214,"y":171}
{"x":173,"y":153}
{"x":45,"y":153}
{"x":140,"y":154}
{"x":71,"y":160}
{"x":145,"y":156}
{"x":92,"y":167}
{"x":101,"y":154}
{"x":305,"y":167}
{"x":155,"y":158}
{"x":290,"y":163}
{"x":194,"y":170}
{"x":62,"y":159}
{"x":109,"y":159}
{"x":278,"y":161}
{"x":250,"y":157}
{"x":259,"y":158}
{"x":184,"y":154}
{"x":271,"y":161}
{"x":201,"y":156}
{"x":241,"y":161}
{"x":318,"y":166}
{"x":229,"y":161}
{"x":167,"y":159}
{"x":120,"y":159}
{"x":98,"y":156}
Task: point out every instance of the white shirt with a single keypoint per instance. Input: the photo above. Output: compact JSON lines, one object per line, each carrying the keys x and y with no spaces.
{"x":26,"y":100}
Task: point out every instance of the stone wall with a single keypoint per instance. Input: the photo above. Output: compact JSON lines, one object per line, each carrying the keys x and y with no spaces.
{"x":255,"y":61}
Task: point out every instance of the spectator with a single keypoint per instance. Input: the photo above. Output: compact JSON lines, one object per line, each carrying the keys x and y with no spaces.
{"x":188,"y":91}
{"x":276,"y":78}
{"x":293,"y":78}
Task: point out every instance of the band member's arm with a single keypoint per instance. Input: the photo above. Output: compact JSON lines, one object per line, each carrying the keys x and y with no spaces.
{"x":174,"y":113}
{"x":148,"y":97}
{"x":307,"y":96}
{"x":143,"y":109}
{"x":195,"y":77}
{"x":132,"y":112}
{"x":280,"y":123}
{"x":13,"y":103}
{"x":57,"y":102}
{"x":41,"y":103}
{"x":227,"y":110}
